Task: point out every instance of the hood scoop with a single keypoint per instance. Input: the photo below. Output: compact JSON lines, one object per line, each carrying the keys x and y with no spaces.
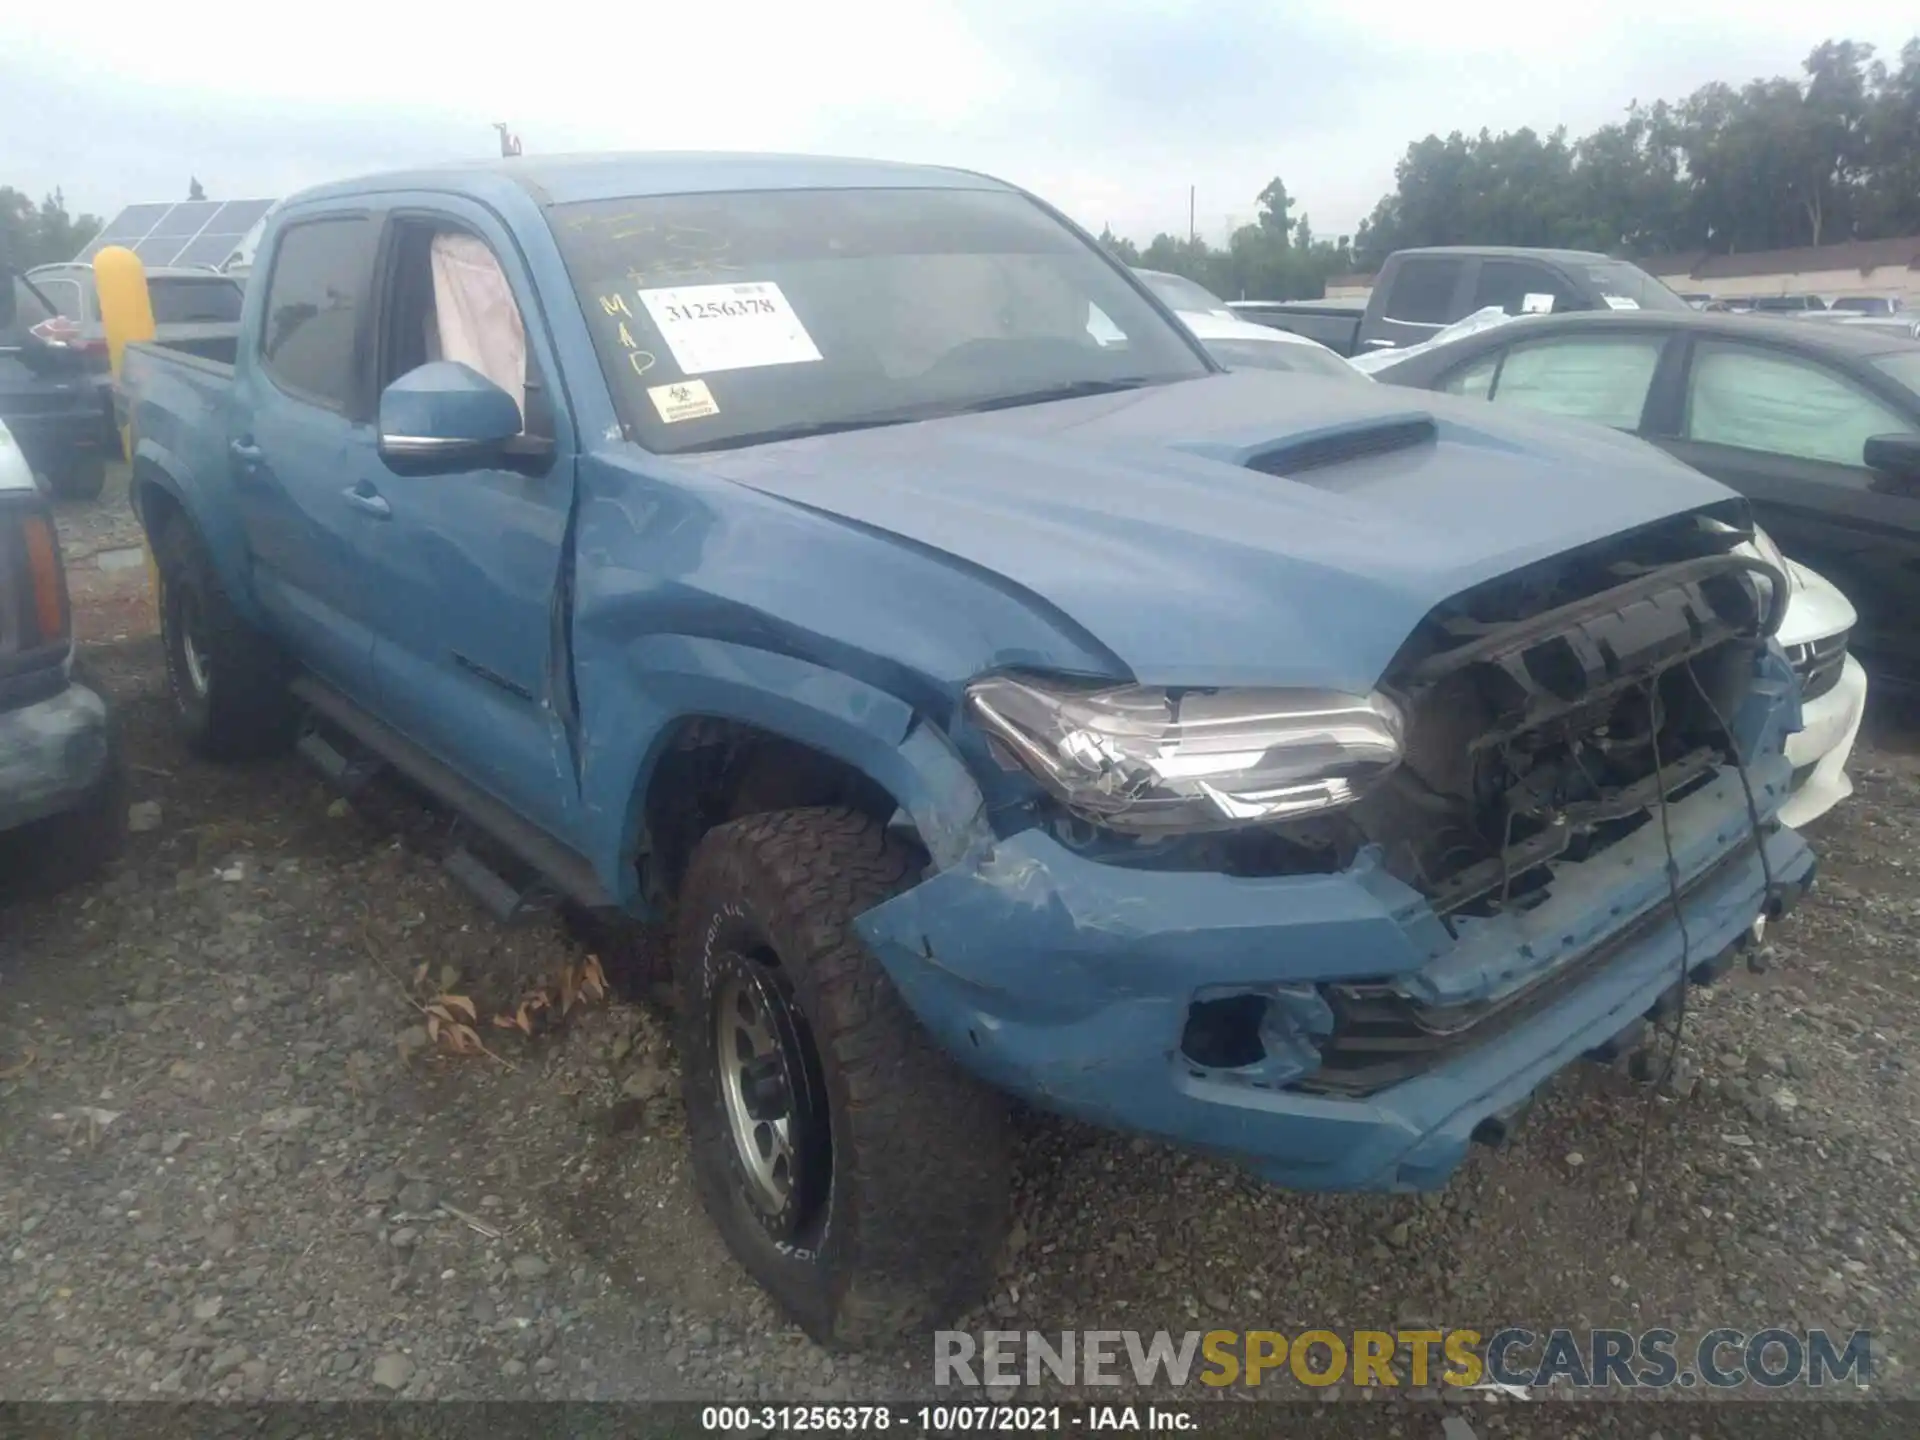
{"x":1337,"y":445}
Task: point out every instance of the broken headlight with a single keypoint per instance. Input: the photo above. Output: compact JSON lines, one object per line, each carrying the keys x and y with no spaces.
{"x":1149,"y":761}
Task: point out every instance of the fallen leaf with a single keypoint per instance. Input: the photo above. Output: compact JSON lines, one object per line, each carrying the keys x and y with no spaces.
{"x":460,"y":1003}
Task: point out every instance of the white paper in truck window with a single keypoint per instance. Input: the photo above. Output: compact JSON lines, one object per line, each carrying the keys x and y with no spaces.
{"x":1535,"y":304}
{"x":1620,"y":302}
{"x":729,"y":327}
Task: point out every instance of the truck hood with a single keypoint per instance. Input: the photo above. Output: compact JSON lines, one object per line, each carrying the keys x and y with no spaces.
{"x":1137,"y":517}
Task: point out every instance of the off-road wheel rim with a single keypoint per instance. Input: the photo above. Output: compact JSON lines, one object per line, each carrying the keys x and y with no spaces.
{"x":771,"y":1094}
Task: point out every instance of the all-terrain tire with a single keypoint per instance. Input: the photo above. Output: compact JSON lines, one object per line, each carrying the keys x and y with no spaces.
{"x":912,"y":1214}
{"x":231,"y":698}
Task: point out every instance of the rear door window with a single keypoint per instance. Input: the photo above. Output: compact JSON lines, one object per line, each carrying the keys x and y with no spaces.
{"x":1422,"y":290}
{"x":316,"y":294}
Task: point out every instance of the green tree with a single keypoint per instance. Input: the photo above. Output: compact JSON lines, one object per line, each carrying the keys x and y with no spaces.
{"x":1276,"y":208}
{"x":40,"y":234}
{"x":1125,"y":251}
{"x":1828,"y":154}
{"x":195,"y":191}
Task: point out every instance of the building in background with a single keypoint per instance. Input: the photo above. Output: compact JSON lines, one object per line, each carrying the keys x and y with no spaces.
{"x":1854,"y":267}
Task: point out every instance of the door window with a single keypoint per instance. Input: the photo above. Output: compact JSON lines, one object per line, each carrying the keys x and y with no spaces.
{"x":1422,"y":290}
{"x":1475,"y":380}
{"x":20,"y":310}
{"x":316,"y":291}
{"x":64,"y":296}
{"x":1521,"y":288}
{"x":448,"y":298}
{"x":1604,"y":379}
{"x":1753,"y":399}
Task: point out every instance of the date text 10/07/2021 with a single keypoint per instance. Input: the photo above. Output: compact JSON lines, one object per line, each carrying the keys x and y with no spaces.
{"x":944,"y":1419}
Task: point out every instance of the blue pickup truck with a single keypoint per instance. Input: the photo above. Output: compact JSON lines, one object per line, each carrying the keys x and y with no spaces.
{"x":851,"y":565}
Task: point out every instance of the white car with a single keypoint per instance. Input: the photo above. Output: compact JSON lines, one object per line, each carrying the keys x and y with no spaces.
{"x":1242,"y":345}
{"x":1833,"y":695}
{"x":15,"y":474}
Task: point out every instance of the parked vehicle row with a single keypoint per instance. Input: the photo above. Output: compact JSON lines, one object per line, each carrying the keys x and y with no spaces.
{"x":1818,"y":425}
{"x":47,"y":401}
{"x":1819,"y":621}
{"x":56,"y":387}
{"x":1420,"y":292}
{"x":1239,"y":344}
{"x":856,"y":563}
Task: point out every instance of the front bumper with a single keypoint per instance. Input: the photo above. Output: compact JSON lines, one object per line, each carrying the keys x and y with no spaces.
{"x":1820,"y":750}
{"x":1072,"y":983}
{"x":54,"y":755}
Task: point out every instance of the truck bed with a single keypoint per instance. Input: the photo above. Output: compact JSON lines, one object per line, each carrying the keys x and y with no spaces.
{"x":1334,"y":323}
{"x":176,"y":397}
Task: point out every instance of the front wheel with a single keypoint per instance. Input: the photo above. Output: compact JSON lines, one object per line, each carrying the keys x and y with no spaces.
{"x":851,"y":1166}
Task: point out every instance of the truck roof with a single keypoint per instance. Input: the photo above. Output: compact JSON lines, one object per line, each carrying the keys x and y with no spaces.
{"x":561,"y":179}
{"x":1516,"y":252}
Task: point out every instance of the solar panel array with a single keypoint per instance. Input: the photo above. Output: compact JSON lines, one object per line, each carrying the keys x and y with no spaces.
{"x":186,"y":232}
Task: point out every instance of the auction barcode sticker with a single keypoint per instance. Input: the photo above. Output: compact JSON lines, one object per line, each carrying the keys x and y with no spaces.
{"x":729,"y":327}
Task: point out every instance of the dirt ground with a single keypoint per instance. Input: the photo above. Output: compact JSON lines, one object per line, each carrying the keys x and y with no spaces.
{"x":232,"y":1166}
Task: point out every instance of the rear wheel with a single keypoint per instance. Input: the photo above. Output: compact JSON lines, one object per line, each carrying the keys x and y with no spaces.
{"x":852,"y":1167}
{"x":229,"y":681}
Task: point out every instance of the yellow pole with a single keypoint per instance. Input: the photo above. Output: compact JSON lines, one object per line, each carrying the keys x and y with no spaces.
{"x":126,"y":313}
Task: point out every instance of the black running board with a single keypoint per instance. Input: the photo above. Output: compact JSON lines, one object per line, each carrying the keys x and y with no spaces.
{"x":565,"y":868}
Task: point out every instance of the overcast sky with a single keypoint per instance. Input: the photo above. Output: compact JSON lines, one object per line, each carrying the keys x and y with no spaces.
{"x":1109,"y":108}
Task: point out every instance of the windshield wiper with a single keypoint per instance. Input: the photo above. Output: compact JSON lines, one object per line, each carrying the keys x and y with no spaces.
{"x":800,"y":431}
{"x":1071,"y":390}
{"x":807,"y":428}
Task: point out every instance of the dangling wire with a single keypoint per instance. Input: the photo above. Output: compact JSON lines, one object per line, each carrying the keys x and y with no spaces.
{"x":1686,"y":958}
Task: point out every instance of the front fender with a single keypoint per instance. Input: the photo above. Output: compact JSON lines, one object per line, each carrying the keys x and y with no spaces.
{"x":641,"y":694}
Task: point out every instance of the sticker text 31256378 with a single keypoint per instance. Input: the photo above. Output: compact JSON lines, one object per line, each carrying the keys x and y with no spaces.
{"x":728,"y":327}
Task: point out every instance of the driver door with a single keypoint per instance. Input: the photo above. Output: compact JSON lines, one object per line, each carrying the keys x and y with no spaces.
{"x":470,"y":658}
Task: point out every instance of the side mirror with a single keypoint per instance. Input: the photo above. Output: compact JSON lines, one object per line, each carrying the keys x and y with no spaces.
{"x":445,"y":416}
{"x":1895,"y":456}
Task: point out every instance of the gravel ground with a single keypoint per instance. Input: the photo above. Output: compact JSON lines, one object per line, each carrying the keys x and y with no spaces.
{"x":231,"y":1166}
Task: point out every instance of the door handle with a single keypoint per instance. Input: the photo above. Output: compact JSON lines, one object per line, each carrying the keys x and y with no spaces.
{"x":245,"y":451}
{"x":1377,"y":343}
{"x":365,"y":497}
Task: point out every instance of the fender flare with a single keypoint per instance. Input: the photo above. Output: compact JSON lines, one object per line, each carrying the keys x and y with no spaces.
{"x":848,"y":719}
{"x":157,"y":467}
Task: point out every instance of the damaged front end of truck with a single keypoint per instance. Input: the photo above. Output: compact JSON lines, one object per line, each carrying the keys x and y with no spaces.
{"x":1409,"y":908}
